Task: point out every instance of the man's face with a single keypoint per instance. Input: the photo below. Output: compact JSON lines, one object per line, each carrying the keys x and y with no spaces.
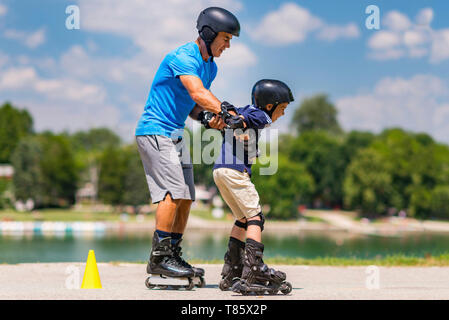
{"x":221,"y":43}
{"x":279,"y":111}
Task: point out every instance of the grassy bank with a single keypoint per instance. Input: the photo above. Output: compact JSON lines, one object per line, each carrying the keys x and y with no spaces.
{"x":388,"y":261}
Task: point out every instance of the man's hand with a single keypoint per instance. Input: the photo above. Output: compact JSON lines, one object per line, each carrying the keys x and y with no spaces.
{"x":211,"y":120}
{"x":217,"y":123}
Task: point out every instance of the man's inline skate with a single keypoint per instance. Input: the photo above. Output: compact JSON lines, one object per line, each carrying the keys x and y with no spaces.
{"x":164,"y":268}
{"x":198,"y":273}
{"x":257,"y":278}
{"x":233,"y":264}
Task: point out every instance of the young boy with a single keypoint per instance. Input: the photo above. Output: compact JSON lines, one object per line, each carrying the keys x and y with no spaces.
{"x":232,"y":175}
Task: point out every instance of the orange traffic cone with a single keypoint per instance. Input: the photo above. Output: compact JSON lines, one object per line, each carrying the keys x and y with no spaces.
{"x":91,"y":279}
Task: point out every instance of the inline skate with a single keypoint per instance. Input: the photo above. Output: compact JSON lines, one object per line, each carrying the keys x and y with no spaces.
{"x":165,"y":270}
{"x":257,"y":277}
{"x":233,"y":264}
{"x":198,"y":273}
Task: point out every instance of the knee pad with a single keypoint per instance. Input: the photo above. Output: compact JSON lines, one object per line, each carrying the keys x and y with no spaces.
{"x":243,"y":225}
{"x":259,"y":223}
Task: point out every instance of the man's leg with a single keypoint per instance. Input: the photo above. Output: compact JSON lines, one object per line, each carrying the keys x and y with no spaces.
{"x":166,"y":213}
{"x":181,"y":217}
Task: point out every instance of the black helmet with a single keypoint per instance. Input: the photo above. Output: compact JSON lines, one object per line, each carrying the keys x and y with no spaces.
{"x":213,"y":20}
{"x":267,"y":91}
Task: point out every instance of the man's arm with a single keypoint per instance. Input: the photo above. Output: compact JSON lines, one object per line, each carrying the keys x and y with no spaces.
{"x":199,"y":94}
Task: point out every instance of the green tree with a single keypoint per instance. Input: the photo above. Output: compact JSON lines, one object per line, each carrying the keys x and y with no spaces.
{"x":323,"y":158}
{"x":112,"y":176}
{"x":58,"y":169}
{"x":28,"y":179}
{"x":283,"y":191}
{"x":316,"y":113}
{"x":14,"y":125}
{"x":96,"y":139}
{"x":136,"y":188}
{"x":368,"y":183}
{"x":45,"y":170}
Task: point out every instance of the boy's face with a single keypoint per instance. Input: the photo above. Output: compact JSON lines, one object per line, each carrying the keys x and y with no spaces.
{"x":278,"y":112}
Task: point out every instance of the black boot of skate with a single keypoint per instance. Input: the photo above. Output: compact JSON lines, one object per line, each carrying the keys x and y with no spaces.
{"x":164,"y":269}
{"x":233,"y":264}
{"x":257,"y":277}
{"x":198,"y":272}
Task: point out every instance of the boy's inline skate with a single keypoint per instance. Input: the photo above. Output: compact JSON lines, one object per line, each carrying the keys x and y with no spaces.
{"x":257,"y":278}
{"x":198,"y":273}
{"x":164,"y":268}
{"x":233,"y":264}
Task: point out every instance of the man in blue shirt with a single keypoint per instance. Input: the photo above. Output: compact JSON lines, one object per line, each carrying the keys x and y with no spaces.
{"x":180,"y":88}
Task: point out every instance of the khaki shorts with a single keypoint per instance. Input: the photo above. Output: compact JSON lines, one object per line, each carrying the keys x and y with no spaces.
{"x":238,"y":192}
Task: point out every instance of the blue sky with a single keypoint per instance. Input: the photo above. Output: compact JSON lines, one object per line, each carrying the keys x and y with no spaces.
{"x":100,"y":74}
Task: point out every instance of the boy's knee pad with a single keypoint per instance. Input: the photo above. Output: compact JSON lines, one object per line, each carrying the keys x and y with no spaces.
{"x":243,"y":225}
{"x":259,"y":223}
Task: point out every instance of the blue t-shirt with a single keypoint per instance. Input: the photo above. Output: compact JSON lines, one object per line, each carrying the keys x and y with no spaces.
{"x":240,"y":147}
{"x":169,"y":103}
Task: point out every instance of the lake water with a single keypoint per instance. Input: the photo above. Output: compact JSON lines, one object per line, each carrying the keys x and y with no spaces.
{"x":72,"y":247}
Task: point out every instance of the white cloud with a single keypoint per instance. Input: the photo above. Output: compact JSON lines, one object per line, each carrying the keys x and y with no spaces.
{"x":384,"y":40}
{"x":64,"y":89}
{"x":396,"y":21}
{"x":424,"y":17}
{"x":31,"y":40}
{"x":155,"y":26}
{"x":292,"y":23}
{"x":419,"y":103}
{"x":334,"y":32}
{"x":403,"y":38}
{"x":3,"y":10}
{"x":238,"y":56}
{"x":440,"y":46}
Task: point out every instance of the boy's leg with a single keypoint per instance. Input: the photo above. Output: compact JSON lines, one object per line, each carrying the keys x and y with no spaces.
{"x":254,"y":228}
{"x":239,"y":229}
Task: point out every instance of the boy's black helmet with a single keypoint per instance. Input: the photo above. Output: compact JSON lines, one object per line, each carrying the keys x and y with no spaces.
{"x":213,"y":20}
{"x":268,"y":91}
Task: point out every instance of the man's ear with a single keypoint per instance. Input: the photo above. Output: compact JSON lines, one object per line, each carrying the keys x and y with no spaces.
{"x":269,"y":106}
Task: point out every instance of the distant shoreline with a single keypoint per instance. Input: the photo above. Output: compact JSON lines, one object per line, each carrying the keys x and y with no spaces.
{"x":314,"y":220}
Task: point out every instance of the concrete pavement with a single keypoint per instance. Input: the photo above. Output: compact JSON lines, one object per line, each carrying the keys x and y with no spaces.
{"x":56,"y":281}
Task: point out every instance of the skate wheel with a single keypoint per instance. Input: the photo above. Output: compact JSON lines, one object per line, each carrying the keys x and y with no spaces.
{"x":148,"y":284}
{"x":202,"y":283}
{"x":223,"y":285}
{"x":286,"y":288}
{"x":190,"y":286}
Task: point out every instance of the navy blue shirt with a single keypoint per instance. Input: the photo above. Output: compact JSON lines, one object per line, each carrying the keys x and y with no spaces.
{"x":240,"y":146}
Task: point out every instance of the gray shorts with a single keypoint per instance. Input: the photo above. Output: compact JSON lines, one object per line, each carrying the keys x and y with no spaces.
{"x":168,"y":167}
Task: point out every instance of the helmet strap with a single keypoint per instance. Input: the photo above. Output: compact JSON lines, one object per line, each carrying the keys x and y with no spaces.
{"x":208,"y":35}
{"x":271,"y":111}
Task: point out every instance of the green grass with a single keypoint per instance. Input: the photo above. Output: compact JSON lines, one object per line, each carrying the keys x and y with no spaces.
{"x":60,"y":215}
{"x":388,"y":261}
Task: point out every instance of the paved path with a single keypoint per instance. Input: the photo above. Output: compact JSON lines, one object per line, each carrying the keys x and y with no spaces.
{"x":126,"y":281}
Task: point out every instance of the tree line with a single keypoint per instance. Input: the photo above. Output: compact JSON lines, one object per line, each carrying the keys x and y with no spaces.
{"x":320,"y":165}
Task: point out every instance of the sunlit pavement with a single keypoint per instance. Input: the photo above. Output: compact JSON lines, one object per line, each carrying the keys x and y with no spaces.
{"x":126,"y":281}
